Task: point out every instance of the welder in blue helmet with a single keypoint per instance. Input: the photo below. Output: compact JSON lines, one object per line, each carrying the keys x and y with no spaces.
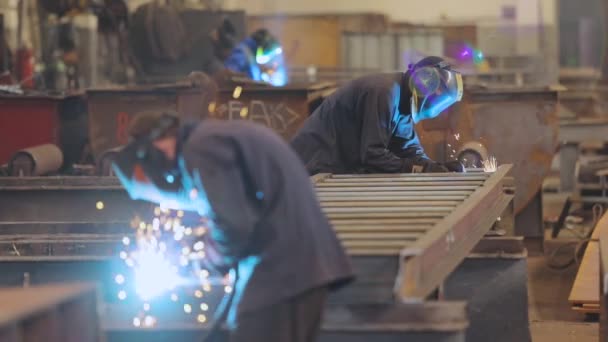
{"x":265,"y":222}
{"x":260,"y":56}
{"x":367,"y":126}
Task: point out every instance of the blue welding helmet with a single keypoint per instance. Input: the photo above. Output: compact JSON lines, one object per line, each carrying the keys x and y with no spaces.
{"x":144,"y":170}
{"x":268,"y":47}
{"x":434,"y":88}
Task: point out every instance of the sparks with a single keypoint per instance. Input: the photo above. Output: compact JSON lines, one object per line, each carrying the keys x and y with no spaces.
{"x":237,"y":92}
{"x":490,"y":164}
{"x":163,"y":259}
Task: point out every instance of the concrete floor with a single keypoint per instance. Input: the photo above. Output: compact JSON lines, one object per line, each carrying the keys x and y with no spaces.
{"x":551,"y":318}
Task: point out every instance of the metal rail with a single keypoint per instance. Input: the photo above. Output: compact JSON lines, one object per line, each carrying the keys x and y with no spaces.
{"x":431,"y":222}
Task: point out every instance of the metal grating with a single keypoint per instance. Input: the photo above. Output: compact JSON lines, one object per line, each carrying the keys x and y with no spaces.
{"x":432,"y":221}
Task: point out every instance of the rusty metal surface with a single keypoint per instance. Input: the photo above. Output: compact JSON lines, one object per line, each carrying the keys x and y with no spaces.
{"x":63,"y":218}
{"x":110,"y":111}
{"x":517,"y":126}
{"x":431,"y":235}
{"x":423,"y":322}
{"x":282,"y":109}
{"x":49,"y":313}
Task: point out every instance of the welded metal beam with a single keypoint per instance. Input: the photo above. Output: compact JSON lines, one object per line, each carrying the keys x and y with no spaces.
{"x":66,"y":199}
{"x":429,"y":221}
{"x":426,"y":264}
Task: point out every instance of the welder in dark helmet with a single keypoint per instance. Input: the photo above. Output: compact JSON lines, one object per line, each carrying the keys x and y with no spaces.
{"x":367,"y":125}
{"x":260,"y":57}
{"x":266,"y":222}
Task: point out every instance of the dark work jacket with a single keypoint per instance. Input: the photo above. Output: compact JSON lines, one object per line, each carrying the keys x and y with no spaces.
{"x":361,"y":128}
{"x":242,"y":60}
{"x":269,"y":218}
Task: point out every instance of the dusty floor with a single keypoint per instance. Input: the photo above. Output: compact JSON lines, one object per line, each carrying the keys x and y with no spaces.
{"x":552,"y":319}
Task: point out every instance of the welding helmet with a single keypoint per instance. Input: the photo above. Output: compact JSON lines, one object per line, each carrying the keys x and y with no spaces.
{"x":144,"y":170}
{"x":434,"y":87}
{"x":268,"y":47}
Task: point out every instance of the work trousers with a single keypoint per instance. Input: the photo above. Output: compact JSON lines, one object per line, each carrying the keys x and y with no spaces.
{"x":296,"y":319}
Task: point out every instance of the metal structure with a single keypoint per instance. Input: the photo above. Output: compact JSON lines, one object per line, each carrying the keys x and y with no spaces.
{"x":430,"y":221}
{"x":283,"y":109}
{"x":517,"y":126}
{"x":57,"y":313}
{"x":416,"y":228}
{"x":571,"y":135}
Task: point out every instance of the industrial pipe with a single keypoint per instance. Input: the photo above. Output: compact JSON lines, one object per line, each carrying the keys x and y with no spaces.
{"x":36,"y":161}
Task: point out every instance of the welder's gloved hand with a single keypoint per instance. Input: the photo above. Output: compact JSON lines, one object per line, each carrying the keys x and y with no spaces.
{"x":434,"y":167}
{"x":214,"y":261}
{"x":454,"y":166}
{"x":423,"y":165}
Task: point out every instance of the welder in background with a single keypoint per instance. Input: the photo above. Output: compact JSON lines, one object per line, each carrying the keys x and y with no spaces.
{"x":164,"y":50}
{"x":260,"y":57}
{"x":266,"y":221}
{"x":367,"y":126}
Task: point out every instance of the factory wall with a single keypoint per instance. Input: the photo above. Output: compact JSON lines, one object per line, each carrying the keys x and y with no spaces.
{"x":408,"y":11}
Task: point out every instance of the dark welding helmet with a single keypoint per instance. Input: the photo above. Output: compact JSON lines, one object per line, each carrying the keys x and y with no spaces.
{"x":144,"y":170}
{"x":434,"y":87}
{"x":268,"y":47}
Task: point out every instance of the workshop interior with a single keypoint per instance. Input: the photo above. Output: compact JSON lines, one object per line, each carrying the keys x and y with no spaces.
{"x":299,"y":171}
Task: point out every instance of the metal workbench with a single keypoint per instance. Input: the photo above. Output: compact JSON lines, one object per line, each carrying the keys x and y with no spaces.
{"x":571,"y":134}
{"x":408,"y":236}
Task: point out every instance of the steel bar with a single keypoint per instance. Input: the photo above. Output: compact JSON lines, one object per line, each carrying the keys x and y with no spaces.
{"x":374,"y":209}
{"x":430,"y":226}
{"x":422,"y":198}
{"x":424,"y":179}
{"x":409,"y":194}
{"x":383,"y":222}
{"x":583,"y":130}
{"x":388,"y":187}
{"x":450,"y":176}
{"x":66,"y":199}
{"x":75,"y":238}
{"x":385,"y":204}
{"x":110,"y":227}
{"x":380,"y":235}
{"x":363,"y":252}
{"x":377,"y":244}
{"x":426,"y":263}
{"x":367,"y":228}
{"x":395,"y":184}
{"x":387,"y":215}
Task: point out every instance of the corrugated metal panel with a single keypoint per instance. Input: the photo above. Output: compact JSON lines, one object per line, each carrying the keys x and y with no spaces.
{"x":390,"y":51}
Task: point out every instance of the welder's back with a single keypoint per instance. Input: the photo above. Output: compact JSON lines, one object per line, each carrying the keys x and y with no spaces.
{"x":259,"y":187}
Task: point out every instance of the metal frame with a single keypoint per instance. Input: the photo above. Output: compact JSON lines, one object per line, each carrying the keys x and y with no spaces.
{"x":431,"y":221}
{"x":571,"y":134}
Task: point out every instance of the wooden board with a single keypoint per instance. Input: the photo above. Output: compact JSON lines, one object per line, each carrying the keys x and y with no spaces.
{"x":585,"y":292}
{"x":600,"y":228}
